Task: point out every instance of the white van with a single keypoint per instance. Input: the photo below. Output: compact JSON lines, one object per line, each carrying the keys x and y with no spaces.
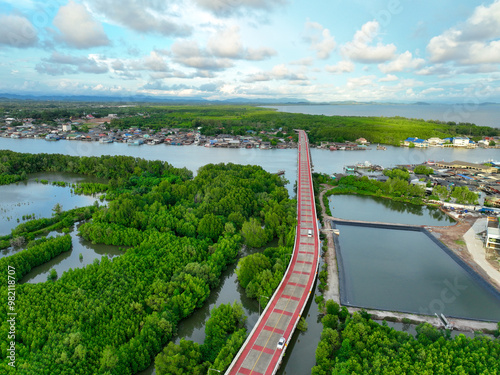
{"x":309,"y":233}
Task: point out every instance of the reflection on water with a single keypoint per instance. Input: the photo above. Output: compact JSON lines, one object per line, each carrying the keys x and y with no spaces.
{"x":366,"y":208}
{"x":400,"y":270}
{"x":71,"y":258}
{"x":34,"y":198}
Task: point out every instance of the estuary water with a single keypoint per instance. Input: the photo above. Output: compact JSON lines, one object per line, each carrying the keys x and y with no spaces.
{"x":468,"y":111}
{"x":194,"y":157}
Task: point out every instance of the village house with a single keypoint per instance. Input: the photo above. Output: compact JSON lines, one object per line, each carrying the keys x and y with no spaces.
{"x":417,"y":142}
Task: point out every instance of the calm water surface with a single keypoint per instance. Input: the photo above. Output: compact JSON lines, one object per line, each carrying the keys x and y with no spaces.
{"x":400,"y":270}
{"x":483,"y":115}
{"x":71,"y":258}
{"x":194,"y":157}
{"x":365,"y":208}
{"x":31,"y":197}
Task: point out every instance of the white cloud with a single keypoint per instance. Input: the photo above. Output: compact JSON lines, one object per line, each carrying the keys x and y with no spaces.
{"x":226,"y":43}
{"x":229,"y":7}
{"x":388,"y":78}
{"x":78,"y":28}
{"x":189,"y":54}
{"x":143,"y":16}
{"x":155,"y":63}
{"x":360,"y":50}
{"x":437,"y":69}
{"x":470,"y":42}
{"x":431,"y":90}
{"x":320,"y":40}
{"x":17,"y":31}
{"x":354,"y":83}
{"x":405,"y":61}
{"x":59,"y":64}
{"x":306,"y":61}
{"x":278,"y":72}
{"x":341,"y":67}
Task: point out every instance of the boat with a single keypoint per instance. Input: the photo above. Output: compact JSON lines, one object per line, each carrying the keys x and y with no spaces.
{"x":105,"y":140}
{"x":51,"y":137}
{"x":381,"y":148}
{"x":136,"y":142}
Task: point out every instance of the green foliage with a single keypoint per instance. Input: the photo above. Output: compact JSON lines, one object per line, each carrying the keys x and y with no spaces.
{"x":36,"y":227}
{"x":463,"y":195}
{"x":43,"y":251}
{"x":52,"y":276}
{"x":224,"y":334}
{"x":117,"y":168}
{"x":185,"y":358}
{"x":90,"y":188}
{"x":260,"y":274}
{"x":250,"y":266}
{"x":210,"y":226}
{"x":254,"y":234}
{"x":124,"y":310}
{"x":402,"y":174}
{"x":395,"y":188}
{"x":224,"y":321}
{"x":302,"y":326}
{"x":361,"y":346}
{"x":423,"y":169}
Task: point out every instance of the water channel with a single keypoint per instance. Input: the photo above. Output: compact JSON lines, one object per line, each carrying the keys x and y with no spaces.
{"x":366,"y":208}
{"x":31,"y":197}
{"x":71,"y":259}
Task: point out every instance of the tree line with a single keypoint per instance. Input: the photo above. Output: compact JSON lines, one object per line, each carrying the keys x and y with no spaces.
{"x":355,"y":344}
{"x":225,"y":332}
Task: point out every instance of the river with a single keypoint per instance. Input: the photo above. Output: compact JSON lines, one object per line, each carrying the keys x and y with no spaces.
{"x":194,"y":157}
{"x":467,"y":111}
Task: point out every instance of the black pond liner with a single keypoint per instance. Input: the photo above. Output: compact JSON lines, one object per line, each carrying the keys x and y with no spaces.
{"x":414,"y":228}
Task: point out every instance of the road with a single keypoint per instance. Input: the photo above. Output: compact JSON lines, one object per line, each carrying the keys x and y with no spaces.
{"x":259,"y":354}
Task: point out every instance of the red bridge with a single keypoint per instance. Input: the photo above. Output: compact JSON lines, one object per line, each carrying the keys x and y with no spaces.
{"x":260,"y":354}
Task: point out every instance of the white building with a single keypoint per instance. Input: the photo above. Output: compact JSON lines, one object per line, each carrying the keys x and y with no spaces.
{"x":66,"y":127}
{"x":435,"y":141}
{"x":461,"y":141}
{"x":493,"y":233}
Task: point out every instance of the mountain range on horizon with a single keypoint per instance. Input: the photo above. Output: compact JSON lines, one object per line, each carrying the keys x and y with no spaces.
{"x":201,"y":100}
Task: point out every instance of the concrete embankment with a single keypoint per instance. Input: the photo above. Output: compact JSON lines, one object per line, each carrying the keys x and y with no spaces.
{"x":336,"y":281}
{"x":464,"y":325}
{"x":332,"y":292}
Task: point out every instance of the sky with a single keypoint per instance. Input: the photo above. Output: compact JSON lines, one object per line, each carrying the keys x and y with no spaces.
{"x":316,"y":50}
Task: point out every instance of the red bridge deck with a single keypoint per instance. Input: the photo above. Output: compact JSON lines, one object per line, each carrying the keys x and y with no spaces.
{"x":259,"y":354}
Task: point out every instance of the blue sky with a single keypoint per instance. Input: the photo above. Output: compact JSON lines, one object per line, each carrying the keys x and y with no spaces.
{"x":320,"y":50}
